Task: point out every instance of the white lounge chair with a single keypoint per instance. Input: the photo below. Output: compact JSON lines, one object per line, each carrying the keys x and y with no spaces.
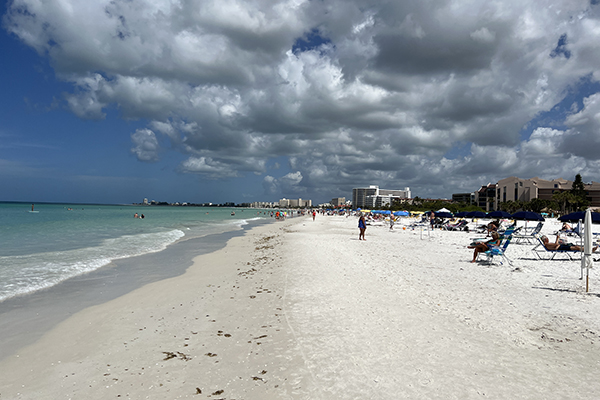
{"x":528,"y":237}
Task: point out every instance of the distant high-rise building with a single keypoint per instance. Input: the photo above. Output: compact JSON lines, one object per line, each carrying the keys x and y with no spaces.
{"x":359,"y":195}
{"x":372,"y":196}
{"x":293,"y":203}
{"x":338,"y":201}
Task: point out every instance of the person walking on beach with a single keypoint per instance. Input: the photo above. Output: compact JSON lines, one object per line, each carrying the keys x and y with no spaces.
{"x":362,"y":227}
{"x":314,"y":215}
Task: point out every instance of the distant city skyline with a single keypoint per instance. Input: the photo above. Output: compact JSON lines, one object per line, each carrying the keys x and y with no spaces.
{"x":109,"y":102}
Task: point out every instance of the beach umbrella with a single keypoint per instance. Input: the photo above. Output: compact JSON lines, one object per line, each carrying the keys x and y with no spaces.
{"x":442,"y":210}
{"x":461,"y":214}
{"x":499,"y":214}
{"x":586,"y":258}
{"x":443,"y":214}
{"x":580,"y":216}
{"x":476,"y":214}
{"x":527,"y":216}
{"x":401,"y":213}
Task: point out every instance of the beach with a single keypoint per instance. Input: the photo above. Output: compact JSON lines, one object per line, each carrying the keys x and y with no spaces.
{"x":302,"y":309}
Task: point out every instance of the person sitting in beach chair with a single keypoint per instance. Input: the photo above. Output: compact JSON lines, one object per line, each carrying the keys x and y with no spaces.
{"x":493,"y":226}
{"x":459,"y":226}
{"x":566,"y":227}
{"x":482,"y":247}
{"x":567,"y":230}
{"x":559,"y":245}
{"x":500,"y":250}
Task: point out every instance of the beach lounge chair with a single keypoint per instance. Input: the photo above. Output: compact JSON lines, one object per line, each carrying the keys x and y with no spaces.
{"x":528,"y":236}
{"x":540,"y":249}
{"x":499,"y":251}
{"x":504,"y":234}
{"x":576,"y":231}
{"x":459,"y":226}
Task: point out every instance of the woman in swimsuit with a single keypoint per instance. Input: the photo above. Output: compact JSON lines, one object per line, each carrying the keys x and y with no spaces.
{"x":482,"y":247}
{"x":362,"y":226}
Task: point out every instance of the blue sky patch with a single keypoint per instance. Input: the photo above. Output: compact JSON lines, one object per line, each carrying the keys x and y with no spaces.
{"x":561,"y":48}
{"x":310,"y":41}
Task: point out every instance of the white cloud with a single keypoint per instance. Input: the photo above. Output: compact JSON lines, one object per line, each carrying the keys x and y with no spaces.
{"x":207,"y":166}
{"x":395,"y":88}
{"x":287,"y":185}
{"x":146,"y":146}
{"x":483,"y":35}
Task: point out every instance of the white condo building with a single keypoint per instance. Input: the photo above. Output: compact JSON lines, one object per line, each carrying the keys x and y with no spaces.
{"x":373,"y":197}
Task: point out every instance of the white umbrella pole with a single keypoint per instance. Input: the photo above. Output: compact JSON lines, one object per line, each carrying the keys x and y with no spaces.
{"x":586,"y":257}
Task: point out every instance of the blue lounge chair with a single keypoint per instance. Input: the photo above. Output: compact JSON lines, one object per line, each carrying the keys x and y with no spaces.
{"x":499,"y":251}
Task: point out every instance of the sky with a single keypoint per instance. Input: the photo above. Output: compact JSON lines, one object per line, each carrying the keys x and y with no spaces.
{"x":114,"y":101}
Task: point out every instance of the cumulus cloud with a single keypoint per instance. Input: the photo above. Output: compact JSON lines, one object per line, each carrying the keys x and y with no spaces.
{"x":421,"y":94}
{"x":289,"y":183}
{"x":207,"y":166}
{"x":146,"y":146}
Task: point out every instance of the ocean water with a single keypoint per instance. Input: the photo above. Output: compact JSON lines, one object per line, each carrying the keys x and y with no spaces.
{"x":59,"y":241}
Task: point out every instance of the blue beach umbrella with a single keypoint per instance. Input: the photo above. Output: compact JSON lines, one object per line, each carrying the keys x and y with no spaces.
{"x":527,"y":216}
{"x":476,"y":214}
{"x":401,"y":213}
{"x":443,"y":214}
{"x":499,"y":214}
{"x":461,"y":214}
{"x":580,"y":216}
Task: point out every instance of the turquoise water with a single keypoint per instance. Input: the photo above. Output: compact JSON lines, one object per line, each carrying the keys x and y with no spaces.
{"x":60,"y":241}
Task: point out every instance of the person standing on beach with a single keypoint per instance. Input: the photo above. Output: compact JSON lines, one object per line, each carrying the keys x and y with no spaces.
{"x":362,"y":227}
{"x":314,"y":215}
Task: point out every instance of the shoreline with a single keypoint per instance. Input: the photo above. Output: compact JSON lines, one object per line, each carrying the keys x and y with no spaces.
{"x":138,"y":344}
{"x":24,"y":318}
{"x":302,"y":309}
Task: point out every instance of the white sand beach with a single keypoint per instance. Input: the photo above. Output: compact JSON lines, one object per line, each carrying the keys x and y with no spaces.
{"x":302,"y":309}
